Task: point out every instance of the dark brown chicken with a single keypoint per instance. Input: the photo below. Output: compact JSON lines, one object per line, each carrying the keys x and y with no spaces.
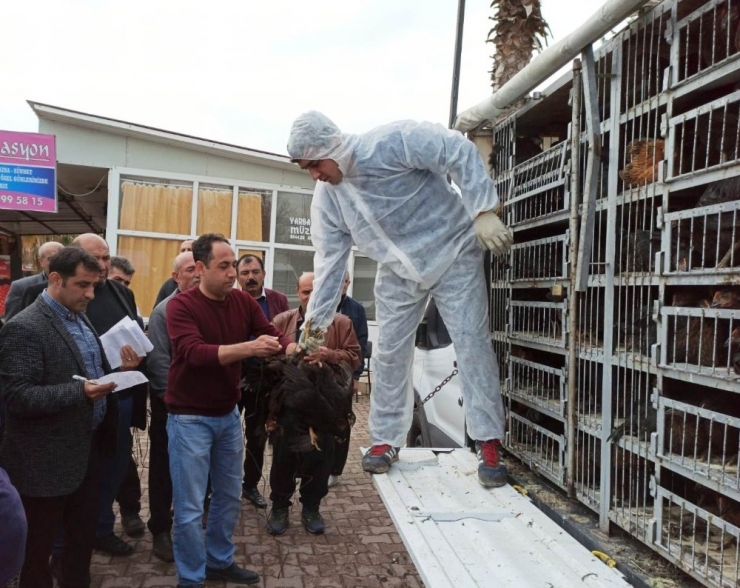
{"x":723,"y":437}
{"x":728,"y":31}
{"x":729,"y":510}
{"x":643,"y":422}
{"x":296,"y":398}
{"x":694,"y":340}
{"x":637,"y":251}
{"x":715,"y":236}
{"x":733,"y":344}
{"x":686,"y":435}
{"x":711,"y":240}
{"x":525,"y":150}
{"x":637,"y":329}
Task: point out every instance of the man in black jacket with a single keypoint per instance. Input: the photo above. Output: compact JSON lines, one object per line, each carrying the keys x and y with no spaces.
{"x":58,"y":428}
{"x":112,"y":302}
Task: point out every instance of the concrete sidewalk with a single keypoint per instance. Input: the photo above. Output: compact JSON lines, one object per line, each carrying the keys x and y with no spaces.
{"x":359,"y":549}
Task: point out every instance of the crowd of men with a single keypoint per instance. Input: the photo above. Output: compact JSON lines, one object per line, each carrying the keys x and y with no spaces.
{"x":66,"y":453}
{"x":67,"y":440}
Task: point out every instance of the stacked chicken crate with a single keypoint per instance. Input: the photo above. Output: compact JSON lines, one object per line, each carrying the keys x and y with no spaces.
{"x":622,"y":371}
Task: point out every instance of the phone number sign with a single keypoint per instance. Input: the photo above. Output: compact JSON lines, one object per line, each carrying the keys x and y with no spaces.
{"x":28,"y":172}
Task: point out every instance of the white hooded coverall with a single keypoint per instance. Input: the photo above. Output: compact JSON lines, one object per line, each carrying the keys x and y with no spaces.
{"x":395,"y":202}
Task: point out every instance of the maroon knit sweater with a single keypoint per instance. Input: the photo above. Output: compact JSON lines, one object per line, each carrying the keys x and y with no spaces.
{"x":197,"y":383}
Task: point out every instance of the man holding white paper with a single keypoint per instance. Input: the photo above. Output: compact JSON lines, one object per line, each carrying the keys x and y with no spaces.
{"x":59,"y":429}
{"x":112,"y":303}
{"x":125,"y":333}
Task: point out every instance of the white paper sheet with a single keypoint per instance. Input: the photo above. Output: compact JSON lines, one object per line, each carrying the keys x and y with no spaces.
{"x":123,"y":379}
{"x":124,"y":332}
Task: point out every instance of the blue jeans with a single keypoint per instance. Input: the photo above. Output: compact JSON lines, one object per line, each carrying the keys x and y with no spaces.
{"x":114,"y":469}
{"x":199,"y":446}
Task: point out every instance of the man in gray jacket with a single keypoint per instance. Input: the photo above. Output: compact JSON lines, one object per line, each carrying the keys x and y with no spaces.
{"x":15,"y":300}
{"x":158,"y":364}
{"x":61,"y":422}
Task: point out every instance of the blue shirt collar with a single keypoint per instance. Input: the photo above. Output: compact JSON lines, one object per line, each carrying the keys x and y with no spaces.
{"x":61,"y":311}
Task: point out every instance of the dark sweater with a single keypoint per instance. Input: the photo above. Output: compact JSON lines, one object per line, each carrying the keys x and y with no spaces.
{"x":197,"y":383}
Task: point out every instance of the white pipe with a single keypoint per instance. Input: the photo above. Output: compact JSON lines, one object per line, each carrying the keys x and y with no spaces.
{"x":548,"y":62}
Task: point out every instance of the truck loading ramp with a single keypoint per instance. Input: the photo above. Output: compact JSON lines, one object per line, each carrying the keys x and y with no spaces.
{"x":463,"y":535}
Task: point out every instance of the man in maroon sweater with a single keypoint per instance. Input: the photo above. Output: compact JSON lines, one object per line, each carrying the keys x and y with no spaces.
{"x":213,"y":328}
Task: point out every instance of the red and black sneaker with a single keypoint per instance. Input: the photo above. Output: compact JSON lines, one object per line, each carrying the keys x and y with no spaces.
{"x":491,"y":472}
{"x":379,"y":458}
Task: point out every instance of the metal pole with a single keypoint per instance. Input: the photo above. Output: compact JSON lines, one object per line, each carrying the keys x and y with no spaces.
{"x":550,"y":60}
{"x":575,"y":200}
{"x":456,"y":65}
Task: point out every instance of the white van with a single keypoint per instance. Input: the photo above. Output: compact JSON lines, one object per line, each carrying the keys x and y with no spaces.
{"x":440,"y":422}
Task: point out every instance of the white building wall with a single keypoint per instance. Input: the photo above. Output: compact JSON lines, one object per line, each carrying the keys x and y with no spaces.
{"x":80,"y":145}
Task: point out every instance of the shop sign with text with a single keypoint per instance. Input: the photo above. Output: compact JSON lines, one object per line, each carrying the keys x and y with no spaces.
{"x":28,"y":175}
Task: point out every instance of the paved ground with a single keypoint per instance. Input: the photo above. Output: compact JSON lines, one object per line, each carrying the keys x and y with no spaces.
{"x":359,"y":549}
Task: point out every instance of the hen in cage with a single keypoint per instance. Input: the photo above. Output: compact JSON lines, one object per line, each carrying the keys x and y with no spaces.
{"x":694,"y":340}
{"x":642,"y":422}
{"x":297,"y":398}
{"x":685,"y":435}
{"x":729,"y":26}
{"x":733,"y":344}
{"x":637,"y":251}
{"x":714,"y":237}
{"x":534,"y":263}
{"x":726,"y":298}
{"x":645,"y":156}
{"x":691,"y":297}
{"x":637,"y":330}
{"x":723,"y":438}
{"x":718,"y":506}
{"x":729,"y":510}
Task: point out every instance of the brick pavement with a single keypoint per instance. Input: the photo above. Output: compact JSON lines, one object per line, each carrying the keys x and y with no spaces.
{"x":359,"y":549}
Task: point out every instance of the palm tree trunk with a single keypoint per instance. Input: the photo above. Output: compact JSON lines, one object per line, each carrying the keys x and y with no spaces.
{"x":518,"y":32}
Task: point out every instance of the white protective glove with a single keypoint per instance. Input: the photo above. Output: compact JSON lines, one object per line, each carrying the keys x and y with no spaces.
{"x":492,"y":234}
{"x":310,"y":343}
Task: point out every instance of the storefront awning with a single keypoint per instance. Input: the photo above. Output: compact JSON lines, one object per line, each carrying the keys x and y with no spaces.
{"x":83,"y":200}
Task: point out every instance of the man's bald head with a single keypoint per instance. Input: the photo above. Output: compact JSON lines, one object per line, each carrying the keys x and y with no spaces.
{"x":305,"y":287}
{"x":96,"y":246}
{"x":88,"y":240}
{"x":46,"y":250}
{"x":186,"y":245}
{"x":183,"y":271}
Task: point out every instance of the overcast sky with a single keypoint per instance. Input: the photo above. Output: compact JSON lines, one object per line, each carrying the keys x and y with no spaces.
{"x":241,"y":70}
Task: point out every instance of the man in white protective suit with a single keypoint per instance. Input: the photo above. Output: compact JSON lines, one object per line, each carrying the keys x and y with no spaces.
{"x":387,"y":191}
